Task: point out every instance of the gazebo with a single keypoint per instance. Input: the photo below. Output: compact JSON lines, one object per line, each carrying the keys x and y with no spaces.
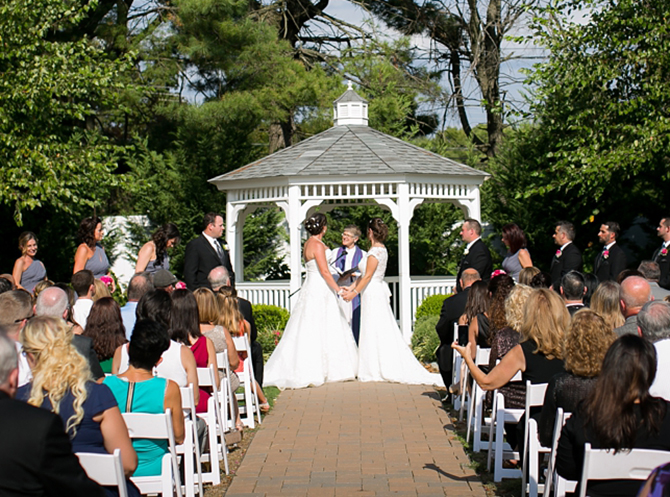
{"x":348,"y":164}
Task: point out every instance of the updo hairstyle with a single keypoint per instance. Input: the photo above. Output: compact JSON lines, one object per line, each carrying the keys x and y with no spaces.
{"x":24,"y":238}
{"x":161,"y":237}
{"x":315,"y":224}
{"x":379,"y":229}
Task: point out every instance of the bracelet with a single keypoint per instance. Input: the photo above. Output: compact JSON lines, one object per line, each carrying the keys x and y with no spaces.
{"x":355,"y":291}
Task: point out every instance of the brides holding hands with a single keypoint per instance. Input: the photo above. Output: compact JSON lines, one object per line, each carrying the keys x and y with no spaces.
{"x":383,"y":354}
{"x":317,"y":345}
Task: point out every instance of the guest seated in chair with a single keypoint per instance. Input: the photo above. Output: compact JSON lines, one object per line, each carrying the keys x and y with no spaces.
{"x":620,"y":414}
{"x":138,"y":390}
{"x":62,"y":383}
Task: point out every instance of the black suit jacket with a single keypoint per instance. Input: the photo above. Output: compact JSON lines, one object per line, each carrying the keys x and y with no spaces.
{"x":36,"y":456}
{"x":479,"y":258}
{"x":664,"y":264}
{"x":452,"y":309}
{"x":199,"y":259}
{"x":570,"y":259}
{"x":245,"y":308}
{"x":84,"y":346}
{"x":608,"y":269}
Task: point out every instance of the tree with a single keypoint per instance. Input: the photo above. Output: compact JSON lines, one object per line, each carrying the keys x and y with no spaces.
{"x":598,"y":147}
{"x":468,"y":37}
{"x":51,"y":146}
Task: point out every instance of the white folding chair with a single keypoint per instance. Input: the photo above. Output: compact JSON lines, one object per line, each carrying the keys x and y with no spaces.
{"x":456,"y":377}
{"x":498,"y":448}
{"x":215,"y":427}
{"x":477,"y":422}
{"x":561,"y":485}
{"x":604,"y":464}
{"x":247,"y":381}
{"x":191,"y":446}
{"x":226,"y":394}
{"x":158,"y":427}
{"x":531,"y":445}
{"x":105,"y":469}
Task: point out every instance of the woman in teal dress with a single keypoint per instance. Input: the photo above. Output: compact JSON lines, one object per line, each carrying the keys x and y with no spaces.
{"x":105,"y":327}
{"x":137,"y":390}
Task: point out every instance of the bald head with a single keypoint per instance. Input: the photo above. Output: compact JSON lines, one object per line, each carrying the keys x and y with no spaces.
{"x":635,"y":292}
{"x":52,"y":302}
{"x":469,"y":276}
{"x":218,"y":277}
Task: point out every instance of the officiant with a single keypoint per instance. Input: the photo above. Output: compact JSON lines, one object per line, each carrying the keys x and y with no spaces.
{"x":346,"y":258}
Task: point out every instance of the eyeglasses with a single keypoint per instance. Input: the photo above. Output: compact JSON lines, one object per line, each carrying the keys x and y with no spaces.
{"x":347,"y":235}
{"x":27,"y":318}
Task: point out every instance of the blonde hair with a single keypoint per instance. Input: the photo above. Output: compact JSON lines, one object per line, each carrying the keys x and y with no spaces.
{"x":24,"y":238}
{"x":59,"y":368}
{"x":545,"y":321}
{"x":527,"y":273}
{"x":101,"y":290}
{"x":208,"y":305}
{"x":586,"y":343}
{"x":514,"y":305}
{"x":41,"y":285}
{"x":230,"y":317}
{"x":605,"y":303}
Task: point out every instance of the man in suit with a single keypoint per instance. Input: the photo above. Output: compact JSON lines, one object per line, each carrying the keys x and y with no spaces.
{"x":568,"y":257}
{"x":572,"y":290}
{"x":219,"y":278}
{"x":16,"y":308}
{"x":661,"y":254}
{"x":348,"y":256}
{"x":476,"y":254}
{"x":53,"y":302}
{"x":653,"y":322}
{"x":612,"y":260}
{"x":452,"y":309}
{"x":36,"y":456}
{"x":205,"y":252}
{"x":652,"y":273}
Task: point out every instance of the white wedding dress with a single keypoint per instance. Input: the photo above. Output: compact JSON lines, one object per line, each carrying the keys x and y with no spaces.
{"x":383,"y":354}
{"x":317,"y":345}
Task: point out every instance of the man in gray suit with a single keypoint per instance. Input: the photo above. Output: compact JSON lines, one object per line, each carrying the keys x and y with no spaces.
{"x":634,"y":293}
{"x":652,"y":273}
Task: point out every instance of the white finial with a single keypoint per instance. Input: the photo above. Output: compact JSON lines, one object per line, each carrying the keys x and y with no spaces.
{"x":349,"y":85}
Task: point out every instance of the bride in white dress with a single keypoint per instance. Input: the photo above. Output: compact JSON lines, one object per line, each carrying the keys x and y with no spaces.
{"x":317,"y":345}
{"x":383,"y":354}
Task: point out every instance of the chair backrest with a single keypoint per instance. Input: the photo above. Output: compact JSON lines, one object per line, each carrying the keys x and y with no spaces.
{"x":561,"y":418}
{"x":534,"y":396}
{"x":241,"y":343}
{"x":188,"y":399}
{"x":603,"y":464}
{"x":482,"y":356}
{"x":105,"y":469}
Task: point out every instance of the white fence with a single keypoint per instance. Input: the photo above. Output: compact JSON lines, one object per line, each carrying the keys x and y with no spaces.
{"x":277,"y":292}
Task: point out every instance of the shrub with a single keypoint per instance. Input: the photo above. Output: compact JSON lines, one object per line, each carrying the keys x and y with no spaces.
{"x":431,"y":306}
{"x":425,"y":340}
{"x":270,"y":323}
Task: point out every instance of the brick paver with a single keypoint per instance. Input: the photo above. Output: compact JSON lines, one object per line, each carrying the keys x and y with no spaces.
{"x":356,"y":439}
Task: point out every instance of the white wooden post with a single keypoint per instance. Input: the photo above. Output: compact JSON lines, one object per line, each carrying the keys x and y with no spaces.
{"x":294,"y":223}
{"x":404,"y":301}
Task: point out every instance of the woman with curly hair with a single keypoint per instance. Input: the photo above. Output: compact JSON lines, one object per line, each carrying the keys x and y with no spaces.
{"x":105,"y":327}
{"x":584,"y":348}
{"x":62,"y":384}
{"x":90,"y":253}
{"x":153,"y":254}
{"x":619,"y":414}
{"x":605,"y":303}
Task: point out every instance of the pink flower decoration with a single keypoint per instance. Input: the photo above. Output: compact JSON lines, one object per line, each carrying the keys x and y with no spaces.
{"x":106,"y":280}
{"x":180,"y":285}
{"x":606,"y":254}
{"x":664,"y":251}
{"x":497,"y":272}
{"x":558,"y":253}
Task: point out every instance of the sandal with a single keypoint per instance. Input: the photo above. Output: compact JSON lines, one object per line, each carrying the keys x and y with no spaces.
{"x":264,"y":407}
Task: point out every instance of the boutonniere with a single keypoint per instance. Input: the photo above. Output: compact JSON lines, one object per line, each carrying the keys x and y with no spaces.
{"x":224,"y":246}
{"x":664,"y":251}
{"x":467,"y":251}
{"x":606,"y":254}
{"x":558,"y":253}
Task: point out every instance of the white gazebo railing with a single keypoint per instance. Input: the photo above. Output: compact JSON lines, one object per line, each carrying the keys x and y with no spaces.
{"x":277,"y":292}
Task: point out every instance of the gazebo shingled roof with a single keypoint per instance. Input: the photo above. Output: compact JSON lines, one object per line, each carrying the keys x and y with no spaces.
{"x":349,"y":163}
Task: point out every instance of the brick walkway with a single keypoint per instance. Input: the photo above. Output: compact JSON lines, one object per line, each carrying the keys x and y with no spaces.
{"x":358,"y":439}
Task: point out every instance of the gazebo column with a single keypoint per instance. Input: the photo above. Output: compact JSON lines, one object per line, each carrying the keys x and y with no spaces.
{"x":234,"y":237}
{"x":294,"y":220}
{"x":473,"y":204}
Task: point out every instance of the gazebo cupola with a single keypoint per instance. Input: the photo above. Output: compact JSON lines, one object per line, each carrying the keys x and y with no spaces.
{"x":350,"y":109}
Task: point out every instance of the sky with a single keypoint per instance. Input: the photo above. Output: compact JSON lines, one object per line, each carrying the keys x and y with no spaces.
{"x":511,"y":80}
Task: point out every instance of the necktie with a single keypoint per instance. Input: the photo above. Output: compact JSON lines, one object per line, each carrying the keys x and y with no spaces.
{"x":219,"y":250}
